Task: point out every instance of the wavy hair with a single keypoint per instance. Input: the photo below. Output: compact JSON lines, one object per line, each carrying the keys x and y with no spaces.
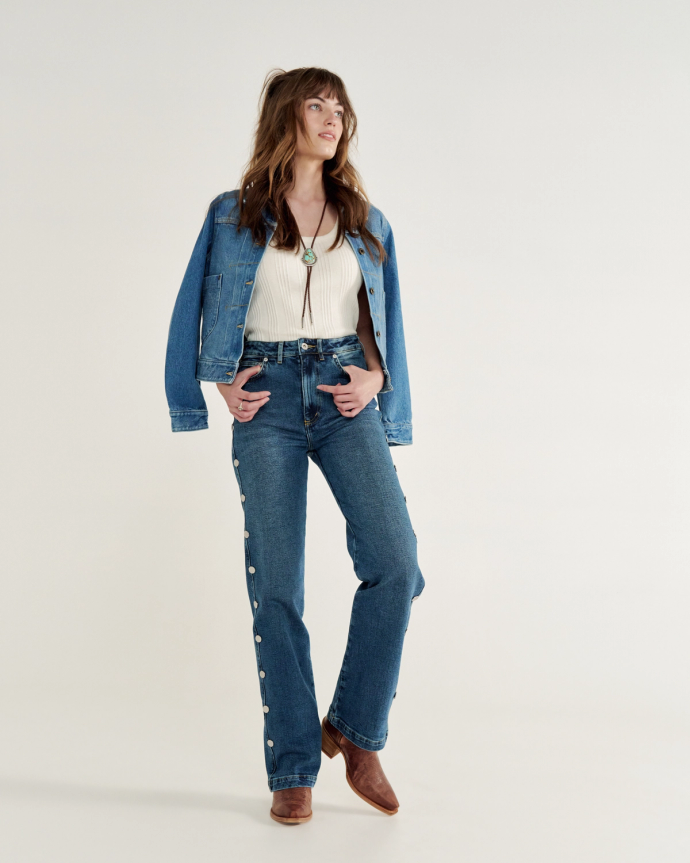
{"x":269,"y":172}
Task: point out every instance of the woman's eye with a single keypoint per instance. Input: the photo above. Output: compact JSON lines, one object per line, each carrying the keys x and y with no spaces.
{"x":317,"y":105}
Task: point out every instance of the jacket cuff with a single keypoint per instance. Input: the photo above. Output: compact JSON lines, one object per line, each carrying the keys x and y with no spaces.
{"x":398,"y":434}
{"x":189,"y":420}
{"x":387,"y":382}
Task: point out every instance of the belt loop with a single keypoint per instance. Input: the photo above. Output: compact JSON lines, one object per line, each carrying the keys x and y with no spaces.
{"x":320,"y":347}
{"x":280,"y":352}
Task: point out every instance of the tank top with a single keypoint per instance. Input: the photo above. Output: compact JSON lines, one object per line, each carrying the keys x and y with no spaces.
{"x":275,"y":309}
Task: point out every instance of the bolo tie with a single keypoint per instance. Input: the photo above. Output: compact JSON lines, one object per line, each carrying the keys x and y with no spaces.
{"x":309,"y":259}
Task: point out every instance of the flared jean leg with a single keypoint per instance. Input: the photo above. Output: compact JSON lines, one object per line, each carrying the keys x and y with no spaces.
{"x":272,"y":475}
{"x":356,"y":461}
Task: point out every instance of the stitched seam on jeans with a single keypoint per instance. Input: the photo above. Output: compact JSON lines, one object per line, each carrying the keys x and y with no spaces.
{"x":295,"y":776}
{"x":275,"y":782}
{"x":353,"y":733}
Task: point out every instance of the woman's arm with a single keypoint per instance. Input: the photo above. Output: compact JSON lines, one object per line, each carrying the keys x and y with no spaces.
{"x":188,"y":411}
{"x":365,"y":331}
{"x":352,"y":397}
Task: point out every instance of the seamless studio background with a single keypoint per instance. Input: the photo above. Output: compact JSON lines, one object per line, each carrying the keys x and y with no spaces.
{"x":532,"y":160}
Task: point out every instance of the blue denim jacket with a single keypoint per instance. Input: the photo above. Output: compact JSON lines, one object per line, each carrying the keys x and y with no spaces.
{"x":212,"y":304}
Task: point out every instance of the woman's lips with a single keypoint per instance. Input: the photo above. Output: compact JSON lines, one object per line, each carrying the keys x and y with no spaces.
{"x":327,"y":136}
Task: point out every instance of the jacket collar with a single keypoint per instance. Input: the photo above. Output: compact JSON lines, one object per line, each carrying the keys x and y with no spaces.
{"x":268,"y":218}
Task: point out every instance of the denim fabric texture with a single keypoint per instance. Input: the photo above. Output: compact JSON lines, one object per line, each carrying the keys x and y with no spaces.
{"x":206,"y":332}
{"x":271,"y":456}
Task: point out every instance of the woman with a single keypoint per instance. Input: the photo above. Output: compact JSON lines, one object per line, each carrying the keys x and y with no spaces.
{"x":293,"y":279}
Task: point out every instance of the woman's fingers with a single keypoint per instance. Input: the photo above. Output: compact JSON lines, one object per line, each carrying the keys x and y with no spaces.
{"x":348,"y":407}
{"x":250,"y":397}
{"x":251,"y":403}
{"x":234,"y":395}
{"x":249,"y":372}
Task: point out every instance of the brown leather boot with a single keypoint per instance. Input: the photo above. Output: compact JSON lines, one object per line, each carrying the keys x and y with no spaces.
{"x":363,"y":769}
{"x":292,"y":805}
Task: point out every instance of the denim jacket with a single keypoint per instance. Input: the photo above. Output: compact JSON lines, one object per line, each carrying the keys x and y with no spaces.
{"x":206,"y":333}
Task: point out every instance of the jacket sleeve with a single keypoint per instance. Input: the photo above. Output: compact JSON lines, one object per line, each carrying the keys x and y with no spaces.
{"x":188,"y":410}
{"x":395,"y":405}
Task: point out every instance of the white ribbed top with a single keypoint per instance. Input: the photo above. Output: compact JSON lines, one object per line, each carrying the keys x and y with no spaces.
{"x":275,"y":310}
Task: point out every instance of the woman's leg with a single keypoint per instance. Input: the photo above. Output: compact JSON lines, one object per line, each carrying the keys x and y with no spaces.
{"x":271,"y":467}
{"x":357,"y":463}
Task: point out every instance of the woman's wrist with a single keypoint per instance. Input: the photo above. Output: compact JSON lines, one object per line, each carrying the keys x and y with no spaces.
{"x":380,"y":377}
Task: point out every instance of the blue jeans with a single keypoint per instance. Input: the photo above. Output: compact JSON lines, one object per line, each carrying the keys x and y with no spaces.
{"x":270,"y":455}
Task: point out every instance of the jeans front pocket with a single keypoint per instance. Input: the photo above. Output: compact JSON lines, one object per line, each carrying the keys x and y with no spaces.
{"x":248,"y":362}
{"x":351,"y":357}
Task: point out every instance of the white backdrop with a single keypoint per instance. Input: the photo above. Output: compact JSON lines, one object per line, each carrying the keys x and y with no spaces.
{"x":532,"y":160}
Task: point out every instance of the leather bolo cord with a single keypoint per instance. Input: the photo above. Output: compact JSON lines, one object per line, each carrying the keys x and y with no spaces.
{"x":309,"y":258}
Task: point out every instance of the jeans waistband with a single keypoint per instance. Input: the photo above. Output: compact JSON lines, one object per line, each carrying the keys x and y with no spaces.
{"x":296,"y":347}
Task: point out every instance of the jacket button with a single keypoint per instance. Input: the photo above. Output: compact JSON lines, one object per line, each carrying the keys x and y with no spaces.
{"x":361,"y":251}
{"x":371,"y":290}
{"x":378,"y":332}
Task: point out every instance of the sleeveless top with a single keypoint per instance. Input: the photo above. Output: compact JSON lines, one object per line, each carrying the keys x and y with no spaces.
{"x":275,"y":309}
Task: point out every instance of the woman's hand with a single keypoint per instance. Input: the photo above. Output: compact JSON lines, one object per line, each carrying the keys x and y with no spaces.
{"x":234,"y":395}
{"x":351,"y":398}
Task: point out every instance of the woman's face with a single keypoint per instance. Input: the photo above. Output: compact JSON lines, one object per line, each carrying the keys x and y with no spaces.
{"x":324,"y":121}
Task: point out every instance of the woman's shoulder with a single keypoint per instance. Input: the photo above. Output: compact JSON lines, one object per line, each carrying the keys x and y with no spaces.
{"x":377,"y":223}
{"x":224,"y":203}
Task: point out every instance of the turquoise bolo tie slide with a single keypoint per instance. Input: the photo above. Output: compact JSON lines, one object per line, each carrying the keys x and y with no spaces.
{"x":309,"y":257}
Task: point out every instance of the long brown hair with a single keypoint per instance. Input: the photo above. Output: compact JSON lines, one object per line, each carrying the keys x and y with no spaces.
{"x":269,"y":173}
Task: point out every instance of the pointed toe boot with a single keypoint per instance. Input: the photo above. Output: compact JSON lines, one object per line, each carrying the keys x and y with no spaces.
{"x":292,"y":805}
{"x":363,"y":769}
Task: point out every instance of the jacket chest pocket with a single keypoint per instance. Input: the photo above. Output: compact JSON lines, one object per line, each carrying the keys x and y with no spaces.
{"x":210,"y":303}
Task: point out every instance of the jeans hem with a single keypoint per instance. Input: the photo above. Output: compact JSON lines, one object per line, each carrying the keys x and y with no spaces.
{"x":297,"y":780}
{"x":358,"y":739}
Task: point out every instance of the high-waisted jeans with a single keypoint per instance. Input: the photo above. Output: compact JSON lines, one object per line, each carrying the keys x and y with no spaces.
{"x":270,"y":455}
